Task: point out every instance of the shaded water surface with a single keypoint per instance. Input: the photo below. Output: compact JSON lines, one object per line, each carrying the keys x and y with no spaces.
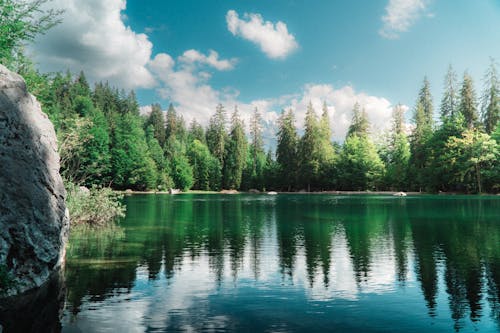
{"x":290,"y":263}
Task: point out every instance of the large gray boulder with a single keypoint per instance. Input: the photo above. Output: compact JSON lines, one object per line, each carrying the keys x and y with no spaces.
{"x":34,"y":220}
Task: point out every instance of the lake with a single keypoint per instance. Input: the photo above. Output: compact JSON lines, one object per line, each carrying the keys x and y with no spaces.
{"x":289,"y":263}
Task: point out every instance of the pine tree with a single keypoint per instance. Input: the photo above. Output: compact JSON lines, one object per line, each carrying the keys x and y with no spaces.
{"x":309,"y":145}
{"x":419,"y":158}
{"x":196,"y":132}
{"x":216,"y":134}
{"x":326,"y":152}
{"x":468,"y":104}
{"x":257,"y":144}
{"x":81,"y":86}
{"x":236,"y":152}
{"x":171,"y":126}
{"x":206,"y":169}
{"x":157,"y":121}
{"x":286,"y":151}
{"x":359,"y":125}
{"x":449,"y":101}
{"x":360,"y":166}
{"x":399,"y":151}
{"x":425,"y":99}
{"x":491,"y":99}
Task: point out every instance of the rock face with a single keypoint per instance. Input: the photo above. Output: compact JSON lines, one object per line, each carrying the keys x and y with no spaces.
{"x":34,"y":220}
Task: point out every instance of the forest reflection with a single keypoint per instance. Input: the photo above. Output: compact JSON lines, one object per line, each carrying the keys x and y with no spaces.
{"x":335,"y":247}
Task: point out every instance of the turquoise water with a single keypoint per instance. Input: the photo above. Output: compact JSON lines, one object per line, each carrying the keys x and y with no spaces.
{"x":289,"y":263}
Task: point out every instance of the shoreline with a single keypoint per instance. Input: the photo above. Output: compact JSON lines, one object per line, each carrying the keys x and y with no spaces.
{"x":391,"y":193}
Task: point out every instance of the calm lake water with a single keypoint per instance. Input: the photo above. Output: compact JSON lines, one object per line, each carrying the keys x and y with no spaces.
{"x":290,"y":263}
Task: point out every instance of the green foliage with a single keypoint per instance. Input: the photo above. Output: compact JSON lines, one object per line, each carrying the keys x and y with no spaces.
{"x":491,"y":99}
{"x":469,"y":155}
{"x":235,"y":154}
{"x":105,"y":142}
{"x":398,"y":153}
{"x":20,"y":22}
{"x":206,"y":168}
{"x":157,"y":122}
{"x":196,"y":132}
{"x":425,"y":100}
{"x":359,"y":125}
{"x":181,"y":172}
{"x":360,"y":167}
{"x":468,"y":103}
{"x":449,"y":101}
{"x":216,"y":134}
{"x":95,"y":207}
{"x":309,"y":159}
{"x":287,"y":150}
{"x":132,"y":165}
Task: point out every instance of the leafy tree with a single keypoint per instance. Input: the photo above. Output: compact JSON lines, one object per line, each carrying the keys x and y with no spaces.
{"x":181,"y":171}
{"x":360,"y":167}
{"x":20,"y":22}
{"x":206,"y":168}
{"x":287,"y":149}
{"x":468,"y":104}
{"x":132,"y":165}
{"x":469,"y":155}
{"x":491,"y":99}
{"x":95,"y":158}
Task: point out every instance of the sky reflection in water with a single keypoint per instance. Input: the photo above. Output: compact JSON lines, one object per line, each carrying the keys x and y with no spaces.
{"x":290,"y":263}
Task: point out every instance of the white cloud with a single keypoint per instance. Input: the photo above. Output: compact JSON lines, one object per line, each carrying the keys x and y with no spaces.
{"x":185,"y":84}
{"x":400,"y":15}
{"x":189,"y":90}
{"x":94,"y":38}
{"x":340,"y":103}
{"x":193,"y":56}
{"x":273,"y":39}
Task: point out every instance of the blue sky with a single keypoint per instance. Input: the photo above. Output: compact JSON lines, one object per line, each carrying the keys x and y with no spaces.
{"x":274,"y":54}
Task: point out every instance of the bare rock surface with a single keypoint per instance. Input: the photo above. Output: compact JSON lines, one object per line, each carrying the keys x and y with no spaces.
{"x":34,"y":220}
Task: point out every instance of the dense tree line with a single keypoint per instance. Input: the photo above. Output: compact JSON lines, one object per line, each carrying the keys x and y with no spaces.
{"x":104,"y":141}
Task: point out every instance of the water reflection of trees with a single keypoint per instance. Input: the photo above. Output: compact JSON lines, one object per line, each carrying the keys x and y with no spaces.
{"x":458,"y":244}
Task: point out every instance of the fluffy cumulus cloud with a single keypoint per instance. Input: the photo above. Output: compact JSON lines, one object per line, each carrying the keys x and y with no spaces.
{"x":93,"y":37}
{"x":185,"y":83}
{"x":189,"y":89}
{"x":400,"y":15}
{"x":273,"y":39}
{"x":340,"y":103}
{"x":212,"y":59}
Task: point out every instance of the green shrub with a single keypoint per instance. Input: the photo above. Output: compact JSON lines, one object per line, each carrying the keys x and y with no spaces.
{"x":94,"y":207}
